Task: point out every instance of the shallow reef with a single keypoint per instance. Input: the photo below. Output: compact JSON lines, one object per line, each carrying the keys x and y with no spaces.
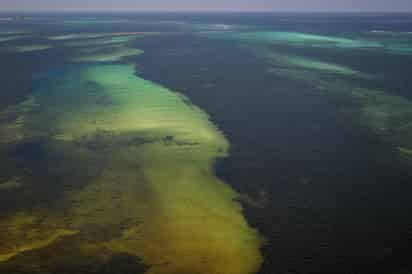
{"x":73,"y":36}
{"x":155,"y":196}
{"x":100,"y":41}
{"x":390,"y":45}
{"x":7,"y":38}
{"x":299,"y":62}
{"x":31,"y":48}
{"x":105,"y":53}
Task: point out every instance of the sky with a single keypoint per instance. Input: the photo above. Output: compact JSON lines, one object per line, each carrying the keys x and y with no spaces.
{"x":210,"y":5}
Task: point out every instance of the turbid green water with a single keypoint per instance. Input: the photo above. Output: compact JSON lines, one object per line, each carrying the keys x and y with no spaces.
{"x":155,"y":189}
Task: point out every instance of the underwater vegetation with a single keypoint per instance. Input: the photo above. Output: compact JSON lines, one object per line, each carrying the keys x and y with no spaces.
{"x":100,"y":47}
{"x":306,"y":39}
{"x":132,"y":162}
{"x":13,"y":35}
{"x":24,"y":232}
{"x":152,"y":194}
{"x":388,"y":115}
{"x":12,"y":121}
{"x":299,"y":62}
{"x":397,"y":45}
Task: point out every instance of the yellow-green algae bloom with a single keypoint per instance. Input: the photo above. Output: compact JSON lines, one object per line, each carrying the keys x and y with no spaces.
{"x":156,"y":196}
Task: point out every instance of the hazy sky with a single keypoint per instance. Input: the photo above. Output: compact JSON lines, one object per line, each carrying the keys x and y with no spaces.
{"x":223,"y":5}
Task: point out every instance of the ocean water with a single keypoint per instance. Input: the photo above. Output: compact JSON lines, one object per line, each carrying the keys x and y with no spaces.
{"x":205,"y":143}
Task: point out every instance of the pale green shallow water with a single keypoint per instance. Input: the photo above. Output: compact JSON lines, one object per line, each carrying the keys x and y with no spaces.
{"x":296,"y":39}
{"x":7,"y":38}
{"x":31,"y":48}
{"x":100,"y":41}
{"x":156,"y":190}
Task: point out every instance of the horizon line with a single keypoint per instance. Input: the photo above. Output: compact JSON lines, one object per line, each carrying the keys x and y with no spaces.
{"x":125,"y":10}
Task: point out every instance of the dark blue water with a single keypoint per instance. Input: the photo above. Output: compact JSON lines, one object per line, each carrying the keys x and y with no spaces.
{"x":339,"y":196}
